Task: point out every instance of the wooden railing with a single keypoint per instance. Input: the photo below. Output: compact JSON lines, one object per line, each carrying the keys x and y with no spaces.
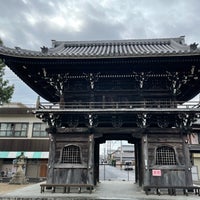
{"x":119,"y":105}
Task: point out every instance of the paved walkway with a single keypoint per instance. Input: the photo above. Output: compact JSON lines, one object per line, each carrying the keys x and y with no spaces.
{"x":106,"y":190}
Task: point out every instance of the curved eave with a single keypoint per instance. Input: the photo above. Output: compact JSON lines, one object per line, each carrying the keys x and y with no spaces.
{"x":48,"y":94}
{"x":14,"y":61}
{"x":161,"y":58}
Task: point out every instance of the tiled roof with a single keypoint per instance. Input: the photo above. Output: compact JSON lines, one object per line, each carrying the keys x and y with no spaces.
{"x":108,"y":48}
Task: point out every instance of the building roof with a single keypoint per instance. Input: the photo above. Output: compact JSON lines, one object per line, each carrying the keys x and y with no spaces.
{"x":108,"y":48}
{"x":15,"y":108}
{"x":13,"y":105}
{"x":45,"y":71}
{"x":127,"y":147}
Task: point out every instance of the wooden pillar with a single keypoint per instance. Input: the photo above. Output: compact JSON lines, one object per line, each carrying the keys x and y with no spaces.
{"x":139,"y":161}
{"x":52,"y":147}
{"x":145,"y":167}
{"x":91,"y":159}
{"x":62,"y":101}
{"x":188,"y":165}
{"x":136,"y":162}
{"x":96,"y":161}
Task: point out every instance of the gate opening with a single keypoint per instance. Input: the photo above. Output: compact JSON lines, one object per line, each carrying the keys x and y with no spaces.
{"x":117,"y":161}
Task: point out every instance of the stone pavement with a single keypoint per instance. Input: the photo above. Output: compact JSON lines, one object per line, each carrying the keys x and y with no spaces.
{"x":106,"y":190}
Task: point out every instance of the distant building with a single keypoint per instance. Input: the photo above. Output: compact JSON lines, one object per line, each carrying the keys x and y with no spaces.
{"x":194,"y":141}
{"x":124,"y":153}
{"x":21,"y":131}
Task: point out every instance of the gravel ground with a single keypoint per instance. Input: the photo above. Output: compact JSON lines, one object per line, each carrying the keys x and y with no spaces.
{"x":5,"y":187}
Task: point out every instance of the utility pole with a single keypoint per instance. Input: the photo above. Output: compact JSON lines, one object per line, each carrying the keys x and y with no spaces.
{"x":121,"y":152}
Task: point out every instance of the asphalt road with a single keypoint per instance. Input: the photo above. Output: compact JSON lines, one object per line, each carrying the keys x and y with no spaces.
{"x":107,"y":172}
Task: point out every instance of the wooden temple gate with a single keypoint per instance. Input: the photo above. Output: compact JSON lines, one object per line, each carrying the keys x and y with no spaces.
{"x":131,"y":90}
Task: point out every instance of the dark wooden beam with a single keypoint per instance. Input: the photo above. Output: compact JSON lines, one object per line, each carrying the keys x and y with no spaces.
{"x":136,"y":132}
{"x":119,"y":110}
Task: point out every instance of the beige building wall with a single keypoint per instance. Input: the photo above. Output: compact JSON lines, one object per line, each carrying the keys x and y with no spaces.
{"x":196,"y":158}
{"x":21,"y":119}
{"x":18,"y":113}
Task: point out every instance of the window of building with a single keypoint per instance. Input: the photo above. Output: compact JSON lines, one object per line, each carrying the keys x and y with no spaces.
{"x":165,"y":156}
{"x":39,"y":130}
{"x":13,"y":129}
{"x":71,"y":154}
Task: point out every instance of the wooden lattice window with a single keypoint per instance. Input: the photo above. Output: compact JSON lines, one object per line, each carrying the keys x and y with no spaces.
{"x":165,"y":156}
{"x":71,"y":154}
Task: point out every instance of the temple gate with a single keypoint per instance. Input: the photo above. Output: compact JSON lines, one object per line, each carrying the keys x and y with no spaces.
{"x":131,"y":90}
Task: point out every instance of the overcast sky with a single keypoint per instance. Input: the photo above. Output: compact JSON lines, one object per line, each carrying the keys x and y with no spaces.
{"x":32,"y":24}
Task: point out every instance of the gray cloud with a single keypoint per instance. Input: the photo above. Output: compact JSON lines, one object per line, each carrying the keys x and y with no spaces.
{"x":33,"y":23}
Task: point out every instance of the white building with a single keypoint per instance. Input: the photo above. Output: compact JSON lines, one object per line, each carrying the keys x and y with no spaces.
{"x":124,"y":153}
{"x":21,"y":131}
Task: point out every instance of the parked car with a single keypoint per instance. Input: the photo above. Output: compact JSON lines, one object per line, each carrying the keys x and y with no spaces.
{"x":128,"y":165}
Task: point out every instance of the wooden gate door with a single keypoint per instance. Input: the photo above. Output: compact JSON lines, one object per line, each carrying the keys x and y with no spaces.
{"x":43,"y":168}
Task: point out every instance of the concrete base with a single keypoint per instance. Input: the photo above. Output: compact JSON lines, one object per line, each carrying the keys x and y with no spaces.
{"x":19,"y":178}
{"x":106,"y":190}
